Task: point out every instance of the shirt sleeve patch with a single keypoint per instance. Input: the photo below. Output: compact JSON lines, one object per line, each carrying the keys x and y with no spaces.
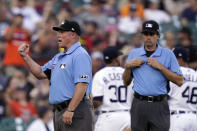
{"x":83,"y":77}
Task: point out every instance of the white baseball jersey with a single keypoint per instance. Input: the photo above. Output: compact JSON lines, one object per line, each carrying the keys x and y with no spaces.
{"x":184,"y":98}
{"x":116,"y":97}
{"x":108,"y":83}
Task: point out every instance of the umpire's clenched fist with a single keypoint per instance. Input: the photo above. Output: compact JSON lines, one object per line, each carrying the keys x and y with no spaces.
{"x":23,"y":50}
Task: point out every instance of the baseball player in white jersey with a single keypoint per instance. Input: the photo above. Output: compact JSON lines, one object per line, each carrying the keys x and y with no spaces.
{"x":183,"y":100}
{"x":112,"y":98}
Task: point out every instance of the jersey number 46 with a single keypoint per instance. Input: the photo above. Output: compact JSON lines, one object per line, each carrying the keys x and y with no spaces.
{"x":191,"y":97}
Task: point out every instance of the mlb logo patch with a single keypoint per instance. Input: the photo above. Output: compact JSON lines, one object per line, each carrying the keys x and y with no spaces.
{"x":149,"y":25}
{"x":62,"y":66}
{"x":84,"y":76}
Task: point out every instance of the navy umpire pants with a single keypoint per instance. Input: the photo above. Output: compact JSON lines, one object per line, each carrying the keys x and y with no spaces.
{"x":150,"y":116}
{"x":82,"y":119}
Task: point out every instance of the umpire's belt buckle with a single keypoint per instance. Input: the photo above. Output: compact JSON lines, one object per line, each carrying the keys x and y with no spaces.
{"x":150,"y":98}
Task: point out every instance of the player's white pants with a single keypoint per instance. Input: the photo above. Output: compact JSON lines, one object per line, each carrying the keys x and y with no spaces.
{"x":113,"y":121}
{"x":183,"y":122}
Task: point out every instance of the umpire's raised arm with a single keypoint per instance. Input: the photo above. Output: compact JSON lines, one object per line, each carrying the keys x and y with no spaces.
{"x":31,"y":64}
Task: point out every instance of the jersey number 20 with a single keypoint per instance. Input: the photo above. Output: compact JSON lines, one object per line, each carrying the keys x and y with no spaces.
{"x":119,"y":92}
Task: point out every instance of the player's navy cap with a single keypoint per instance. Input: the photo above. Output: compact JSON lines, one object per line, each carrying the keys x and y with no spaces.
{"x":181,"y":52}
{"x":111,"y":53}
{"x":68,"y":26}
{"x":150,"y":26}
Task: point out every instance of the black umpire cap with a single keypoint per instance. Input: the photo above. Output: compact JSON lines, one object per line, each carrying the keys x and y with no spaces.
{"x":150,"y":26}
{"x":68,"y":26}
{"x":111,"y":53}
{"x":181,"y":52}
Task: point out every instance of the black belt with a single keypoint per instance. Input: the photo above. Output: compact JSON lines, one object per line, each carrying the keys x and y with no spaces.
{"x":64,"y":105}
{"x":150,"y":98}
{"x":113,"y":111}
{"x":181,"y":112}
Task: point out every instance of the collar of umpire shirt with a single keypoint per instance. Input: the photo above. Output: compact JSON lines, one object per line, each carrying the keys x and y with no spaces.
{"x":156,"y":53}
{"x":72,"y":48}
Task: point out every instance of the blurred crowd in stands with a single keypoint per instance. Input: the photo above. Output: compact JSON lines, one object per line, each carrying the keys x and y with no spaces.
{"x":24,"y":99}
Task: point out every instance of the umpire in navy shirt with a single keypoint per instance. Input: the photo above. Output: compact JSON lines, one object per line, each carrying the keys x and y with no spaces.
{"x":151,"y":67}
{"x":70,"y":75}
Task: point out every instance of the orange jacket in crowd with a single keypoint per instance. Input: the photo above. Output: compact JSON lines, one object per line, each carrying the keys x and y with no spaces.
{"x":11,"y":54}
{"x":126,"y":8}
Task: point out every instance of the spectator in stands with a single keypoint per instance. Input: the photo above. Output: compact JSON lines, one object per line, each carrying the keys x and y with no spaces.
{"x":21,"y":75}
{"x":93,"y":13}
{"x":185,"y":40}
{"x":126,"y":9}
{"x":44,"y":120}
{"x":14,"y":36}
{"x":39,"y":6}
{"x":97,"y":61}
{"x":48,"y":13}
{"x":190,"y":13}
{"x":40,"y":94}
{"x":4,"y":19}
{"x":64,"y":14}
{"x":113,"y":37}
{"x":154,"y":13}
{"x":175,"y":7}
{"x":43,"y":47}
{"x":20,"y":106}
{"x":99,"y":44}
{"x":91,"y":34}
{"x":111,"y":11}
{"x":112,"y":34}
{"x":43,"y":50}
{"x":169,"y":40}
{"x":132,"y":23}
{"x":31,"y":17}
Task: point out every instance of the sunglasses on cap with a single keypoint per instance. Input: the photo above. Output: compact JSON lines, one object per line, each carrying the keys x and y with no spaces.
{"x":146,"y":33}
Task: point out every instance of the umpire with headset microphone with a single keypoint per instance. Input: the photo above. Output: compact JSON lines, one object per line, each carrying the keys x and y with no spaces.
{"x":151,"y":67}
{"x":70,"y":74}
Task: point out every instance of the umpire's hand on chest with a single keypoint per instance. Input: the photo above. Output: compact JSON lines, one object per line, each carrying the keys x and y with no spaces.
{"x":154,"y":63}
{"x":136,"y":62}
